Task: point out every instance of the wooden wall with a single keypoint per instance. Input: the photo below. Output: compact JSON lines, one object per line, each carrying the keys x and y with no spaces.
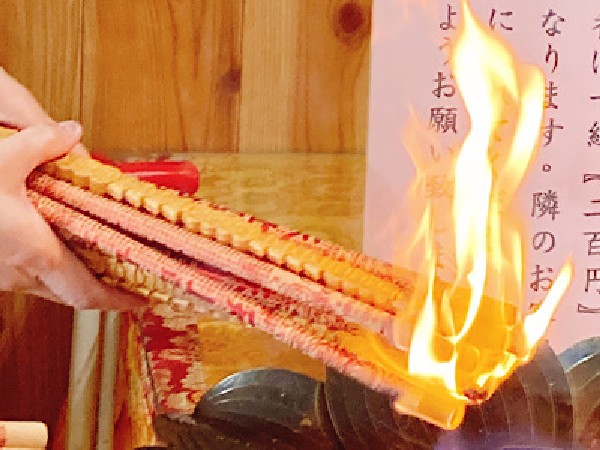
{"x":197,"y":75}
{"x":150,"y":77}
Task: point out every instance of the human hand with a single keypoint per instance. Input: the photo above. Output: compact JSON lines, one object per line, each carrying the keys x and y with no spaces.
{"x":19,"y":108}
{"x":32,"y":258}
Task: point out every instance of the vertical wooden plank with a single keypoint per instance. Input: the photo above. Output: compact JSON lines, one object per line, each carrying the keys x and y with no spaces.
{"x":35,"y":344}
{"x":306,"y":69}
{"x":41,"y":48}
{"x":108,"y":382}
{"x":82,"y":411}
{"x":269,"y":59}
{"x":161,"y":76}
{"x":334,"y":43}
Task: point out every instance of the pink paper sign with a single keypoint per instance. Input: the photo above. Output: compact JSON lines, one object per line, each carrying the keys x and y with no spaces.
{"x":560,"y":198}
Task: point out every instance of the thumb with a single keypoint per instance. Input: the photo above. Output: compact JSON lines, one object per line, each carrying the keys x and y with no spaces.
{"x":24,"y":151}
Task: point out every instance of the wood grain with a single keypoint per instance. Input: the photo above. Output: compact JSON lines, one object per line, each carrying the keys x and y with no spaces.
{"x":256,"y":76}
{"x":269,"y":60}
{"x":321,"y":194}
{"x":305,"y":84}
{"x":41,"y":47}
{"x":333,"y":83}
{"x":35,"y":345}
{"x":160,"y":76}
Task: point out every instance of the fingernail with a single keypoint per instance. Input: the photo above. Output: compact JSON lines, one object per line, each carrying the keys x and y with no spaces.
{"x":71,"y":127}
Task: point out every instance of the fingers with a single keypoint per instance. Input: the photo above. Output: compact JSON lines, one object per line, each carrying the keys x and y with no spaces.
{"x":56,"y":274}
{"x":39,"y":263}
{"x":70,"y":281}
{"x":23,"y":152}
{"x":116,"y":299}
{"x":113,"y":299}
{"x":19,"y":107}
{"x":39,"y":290}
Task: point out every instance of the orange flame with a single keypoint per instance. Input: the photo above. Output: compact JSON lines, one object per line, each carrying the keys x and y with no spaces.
{"x":487,"y":243}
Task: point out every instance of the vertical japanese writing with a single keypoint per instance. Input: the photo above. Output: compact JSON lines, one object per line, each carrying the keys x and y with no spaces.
{"x":548,"y":131}
{"x":443,"y":117}
{"x":502,"y":20}
{"x":545,"y":204}
{"x":448,"y":22}
{"x":552,"y":57}
{"x":597,"y":25}
{"x":559,"y":201}
{"x":591,"y":292}
{"x":444,"y":114}
{"x":592,"y":273}
{"x":552,"y":22}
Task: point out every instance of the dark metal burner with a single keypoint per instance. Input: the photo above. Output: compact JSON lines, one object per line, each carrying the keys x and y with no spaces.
{"x":551,"y":403}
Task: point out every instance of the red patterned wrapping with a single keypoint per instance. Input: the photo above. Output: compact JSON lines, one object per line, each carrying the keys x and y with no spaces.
{"x":139,"y":357}
{"x":169,"y":339}
{"x":183,"y":362}
{"x":316,"y":329}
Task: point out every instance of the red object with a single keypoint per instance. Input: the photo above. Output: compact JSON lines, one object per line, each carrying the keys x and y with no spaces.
{"x":182,"y":176}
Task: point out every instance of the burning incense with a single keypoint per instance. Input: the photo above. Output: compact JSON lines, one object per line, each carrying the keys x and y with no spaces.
{"x":165,"y":262}
{"x":338,"y":306}
{"x":485,"y":234}
{"x":433,"y":347}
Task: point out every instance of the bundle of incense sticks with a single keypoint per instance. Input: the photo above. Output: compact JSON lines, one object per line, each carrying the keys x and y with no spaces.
{"x":23,"y":435}
{"x":336,"y":305}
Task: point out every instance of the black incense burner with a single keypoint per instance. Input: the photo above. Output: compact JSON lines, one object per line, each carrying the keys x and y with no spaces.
{"x":553,"y":402}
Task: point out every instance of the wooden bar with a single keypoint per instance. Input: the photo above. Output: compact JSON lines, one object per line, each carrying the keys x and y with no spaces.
{"x":23,"y":434}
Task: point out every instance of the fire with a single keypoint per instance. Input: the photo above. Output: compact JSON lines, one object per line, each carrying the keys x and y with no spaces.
{"x":480,"y":315}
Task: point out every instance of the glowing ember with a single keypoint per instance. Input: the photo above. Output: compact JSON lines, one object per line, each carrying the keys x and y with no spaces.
{"x":479,"y":316}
